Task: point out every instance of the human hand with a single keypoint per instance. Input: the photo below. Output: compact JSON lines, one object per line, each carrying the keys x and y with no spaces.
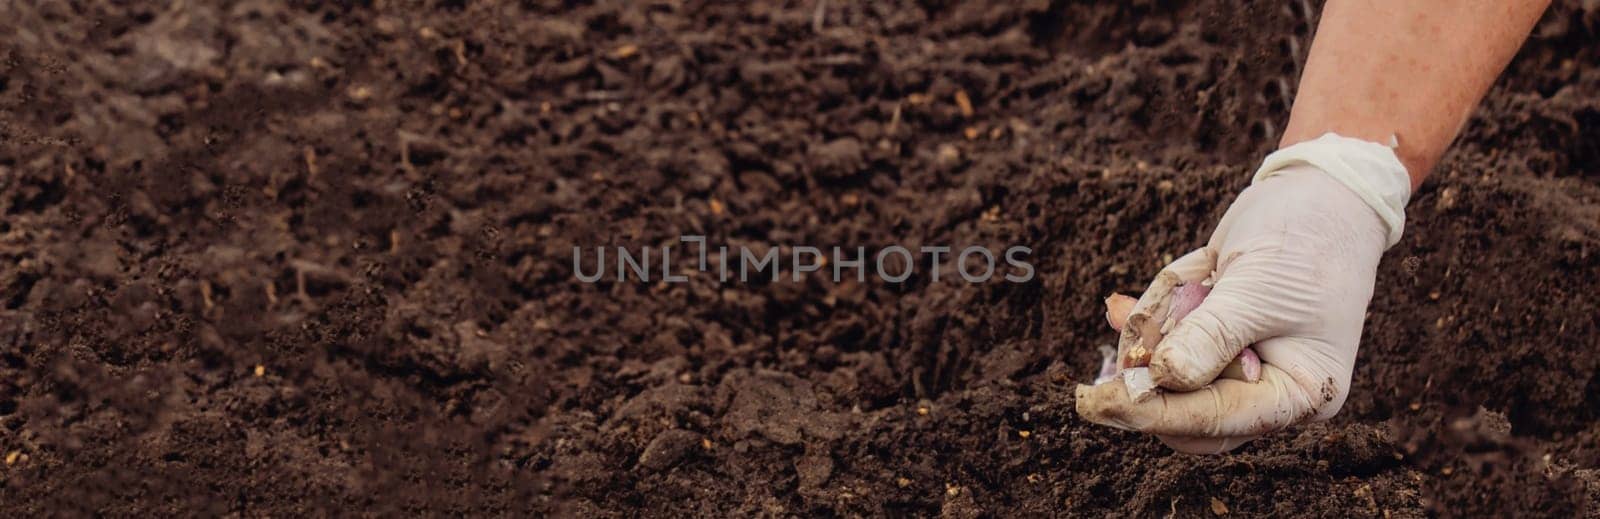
{"x":1292,"y":264}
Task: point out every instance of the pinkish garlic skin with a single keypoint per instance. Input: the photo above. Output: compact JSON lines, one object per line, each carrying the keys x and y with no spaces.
{"x":1108,"y":365}
{"x":1251,"y":363}
{"x":1118,"y":307}
{"x":1184,"y":299}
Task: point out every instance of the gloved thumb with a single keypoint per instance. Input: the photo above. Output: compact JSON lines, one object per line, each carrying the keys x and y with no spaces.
{"x":1202,"y":344}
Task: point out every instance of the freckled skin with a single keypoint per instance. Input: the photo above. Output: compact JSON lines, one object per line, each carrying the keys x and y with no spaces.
{"x":1414,"y":69}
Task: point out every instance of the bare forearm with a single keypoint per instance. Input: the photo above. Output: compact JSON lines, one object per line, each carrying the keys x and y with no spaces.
{"x":1412,"y":69}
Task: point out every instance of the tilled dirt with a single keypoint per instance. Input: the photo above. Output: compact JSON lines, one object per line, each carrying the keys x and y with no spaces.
{"x":281,"y":259}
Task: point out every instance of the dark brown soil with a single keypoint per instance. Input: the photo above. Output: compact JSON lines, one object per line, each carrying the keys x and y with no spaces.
{"x":277,"y":260}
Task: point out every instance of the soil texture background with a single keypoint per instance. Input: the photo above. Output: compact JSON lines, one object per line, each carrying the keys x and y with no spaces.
{"x":271,"y":258}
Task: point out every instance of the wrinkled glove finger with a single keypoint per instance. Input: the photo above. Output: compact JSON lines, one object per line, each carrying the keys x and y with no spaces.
{"x":1231,"y":318}
{"x":1142,"y":331}
{"x":1224,"y":408}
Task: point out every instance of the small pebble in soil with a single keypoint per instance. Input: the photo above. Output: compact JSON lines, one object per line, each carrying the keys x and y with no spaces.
{"x":1218,"y":507}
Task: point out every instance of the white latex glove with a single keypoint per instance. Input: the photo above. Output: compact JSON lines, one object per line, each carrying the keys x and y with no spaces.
{"x":1295,"y":259}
